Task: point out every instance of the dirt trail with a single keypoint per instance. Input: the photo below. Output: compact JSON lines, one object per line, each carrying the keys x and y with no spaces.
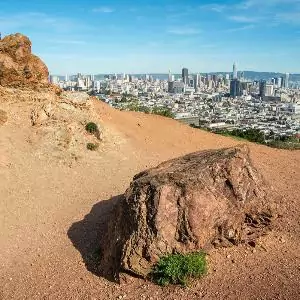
{"x":53,"y":212}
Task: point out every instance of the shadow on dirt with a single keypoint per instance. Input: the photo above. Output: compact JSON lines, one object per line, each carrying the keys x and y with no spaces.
{"x":89,"y":235}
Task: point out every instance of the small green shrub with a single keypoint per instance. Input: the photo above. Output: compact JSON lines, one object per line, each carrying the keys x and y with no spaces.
{"x":92,"y":146}
{"x":91,"y":127}
{"x":178,"y":268}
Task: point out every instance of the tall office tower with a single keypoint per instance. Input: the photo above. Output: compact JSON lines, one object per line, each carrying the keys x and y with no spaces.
{"x":185,"y":75}
{"x":235,"y":88}
{"x":234,"y":72}
{"x":66,"y":77}
{"x":170,"y":76}
{"x":287,"y":77}
{"x":269,"y":90}
{"x":196,"y":81}
{"x":279,"y":82}
{"x":191,"y":82}
{"x":262,"y":88}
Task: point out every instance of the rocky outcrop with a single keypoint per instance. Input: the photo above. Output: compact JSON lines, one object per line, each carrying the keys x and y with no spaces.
{"x":204,"y":199}
{"x":18,"y":66}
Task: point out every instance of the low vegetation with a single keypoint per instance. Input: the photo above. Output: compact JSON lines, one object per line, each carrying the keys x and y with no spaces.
{"x":284,"y":145}
{"x":162,"y":111}
{"x":92,"y":146}
{"x":252,"y":135}
{"x":179,"y":268}
{"x":257,"y":136}
{"x":92,"y":128}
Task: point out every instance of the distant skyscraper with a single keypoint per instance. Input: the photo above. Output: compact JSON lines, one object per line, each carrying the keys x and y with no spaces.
{"x":170,"y":76}
{"x":196,"y":81}
{"x":185,"y":75}
{"x":235,"y":88}
{"x":234,"y":72}
{"x":269,"y":90}
{"x":287,"y":77}
{"x":262,"y":88}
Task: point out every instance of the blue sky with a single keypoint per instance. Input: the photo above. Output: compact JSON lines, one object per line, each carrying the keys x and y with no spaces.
{"x":154,"y":36}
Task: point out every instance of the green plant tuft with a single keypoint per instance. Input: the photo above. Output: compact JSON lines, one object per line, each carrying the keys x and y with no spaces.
{"x":178,"y":268}
{"x":91,"y":128}
{"x":92,"y":146}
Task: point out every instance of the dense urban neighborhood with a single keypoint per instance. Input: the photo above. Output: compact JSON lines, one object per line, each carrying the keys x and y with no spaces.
{"x":216,"y":102}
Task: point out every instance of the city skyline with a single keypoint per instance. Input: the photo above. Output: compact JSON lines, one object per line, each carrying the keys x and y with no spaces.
{"x":122,"y":36}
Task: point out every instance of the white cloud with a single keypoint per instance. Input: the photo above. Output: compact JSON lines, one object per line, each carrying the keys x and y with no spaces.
{"x":289,"y":17}
{"x":184,"y":31}
{"x":243,"y":19}
{"x":103,"y":9}
{"x":35,"y":20}
{"x":247,"y":27}
{"x":214,"y":7}
{"x":252,"y":3}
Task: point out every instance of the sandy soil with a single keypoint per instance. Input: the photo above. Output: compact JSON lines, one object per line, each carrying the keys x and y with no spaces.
{"x":53,"y":211}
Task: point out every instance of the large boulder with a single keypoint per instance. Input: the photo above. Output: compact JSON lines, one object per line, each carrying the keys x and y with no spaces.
{"x":18,"y":66}
{"x":204,"y":199}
